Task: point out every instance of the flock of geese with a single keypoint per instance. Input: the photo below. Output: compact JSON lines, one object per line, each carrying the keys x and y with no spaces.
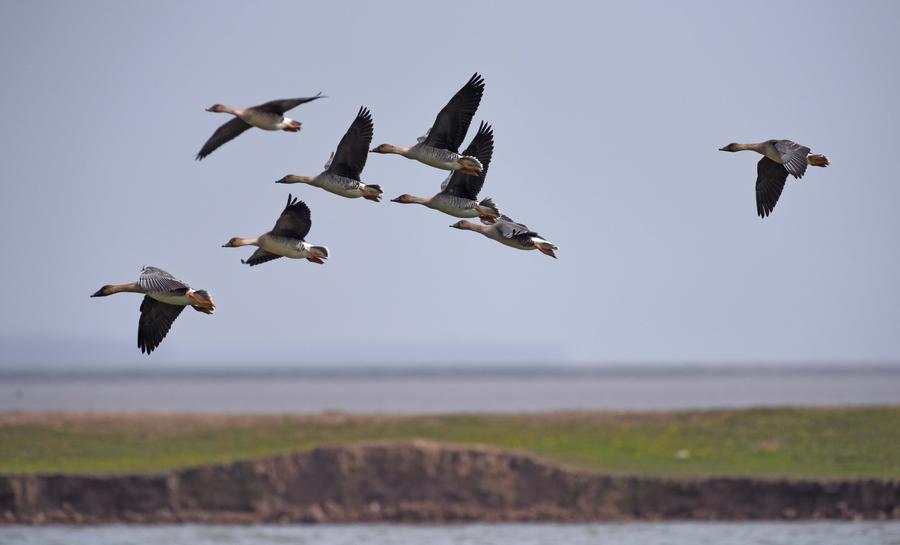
{"x":165,"y":297}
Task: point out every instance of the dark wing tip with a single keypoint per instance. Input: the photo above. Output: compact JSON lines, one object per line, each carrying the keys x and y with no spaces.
{"x":477,"y":80}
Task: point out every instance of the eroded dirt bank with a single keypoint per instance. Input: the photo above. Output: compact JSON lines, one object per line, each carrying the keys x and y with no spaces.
{"x":420,"y":481}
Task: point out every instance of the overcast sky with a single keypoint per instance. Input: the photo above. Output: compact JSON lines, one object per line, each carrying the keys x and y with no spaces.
{"x":607,"y":120}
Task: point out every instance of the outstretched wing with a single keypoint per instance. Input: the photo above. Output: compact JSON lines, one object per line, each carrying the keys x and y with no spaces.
{"x":453,"y":121}
{"x":259,"y":256}
{"x":353,"y":150}
{"x":770,"y":178}
{"x":155,"y":322}
{"x":294,"y":221}
{"x":482,"y":147}
{"x":155,"y":280}
{"x":227,"y":132}
{"x":793,"y":157}
{"x":284,"y":104}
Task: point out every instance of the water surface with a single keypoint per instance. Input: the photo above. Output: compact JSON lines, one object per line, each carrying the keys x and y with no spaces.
{"x":756,"y":533}
{"x":448,"y":392}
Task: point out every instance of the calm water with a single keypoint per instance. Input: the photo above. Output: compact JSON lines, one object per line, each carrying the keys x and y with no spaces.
{"x":449,"y":392}
{"x":822,"y":533}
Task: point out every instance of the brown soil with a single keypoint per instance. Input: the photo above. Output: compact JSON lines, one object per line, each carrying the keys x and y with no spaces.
{"x":420,"y":481}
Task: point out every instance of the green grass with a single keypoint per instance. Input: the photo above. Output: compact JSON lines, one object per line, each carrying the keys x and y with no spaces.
{"x":816,"y":443}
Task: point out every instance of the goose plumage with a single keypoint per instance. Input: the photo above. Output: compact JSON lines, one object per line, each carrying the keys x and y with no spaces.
{"x":780,"y":158}
{"x":286,"y":239}
{"x":268,"y":116}
{"x":508,"y":232}
{"x":164,"y":298}
{"x":439,"y":147}
{"x":344,"y":169}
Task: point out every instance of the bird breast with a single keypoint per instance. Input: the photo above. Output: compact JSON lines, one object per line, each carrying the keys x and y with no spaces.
{"x":438,"y":158}
{"x":457,"y":207}
{"x":285,"y":246}
{"x":169,"y":298}
{"x":264,"y":120}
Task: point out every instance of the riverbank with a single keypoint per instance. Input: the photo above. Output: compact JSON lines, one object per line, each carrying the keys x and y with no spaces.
{"x":426,"y":482}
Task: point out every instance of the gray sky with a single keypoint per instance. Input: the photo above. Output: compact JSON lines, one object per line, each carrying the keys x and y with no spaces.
{"x":607,"y":118}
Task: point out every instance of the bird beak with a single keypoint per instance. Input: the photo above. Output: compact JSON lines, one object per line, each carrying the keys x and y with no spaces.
{"x":281,"y":181}
{"x":396,"y":199}
{"x":98,"y":293}
{"x":722,"y":149}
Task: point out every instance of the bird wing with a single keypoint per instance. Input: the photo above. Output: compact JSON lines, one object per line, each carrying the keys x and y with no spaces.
{"x":770,"y":178}
{"x":284,"y":104}
{"x":793,"y":157}
{"x":156,"y":319}
{"x":259,"y":256}
{"x":353,"y":150}
{"x":294,"y":220}
{"x":453,"y":121}
{"x":481,"y":147}
{"x":155,"y":280}
{"x":227,"y":132}
{"x":510,"y":229}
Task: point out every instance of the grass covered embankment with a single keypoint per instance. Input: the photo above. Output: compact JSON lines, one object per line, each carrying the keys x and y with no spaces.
{"x":840,"y":443}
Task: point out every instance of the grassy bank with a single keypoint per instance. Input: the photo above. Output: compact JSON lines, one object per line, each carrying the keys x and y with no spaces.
{"x":823,"y":443}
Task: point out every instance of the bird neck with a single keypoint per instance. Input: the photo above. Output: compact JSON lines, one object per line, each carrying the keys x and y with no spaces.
{"x":129,"y":287}
{"x":415,"y":199}
{"x":293,"y":179}
{"x":477,"y":227}
{"x":758,"y":148}
{"x":399,"y":150}
{"x":247,"y":242}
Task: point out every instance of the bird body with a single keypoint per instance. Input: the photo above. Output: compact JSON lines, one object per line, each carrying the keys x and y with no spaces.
{"x":164,"y":299}
{"x":439,"y":147}
{"x":291,"y":247}
{"x":267,"y":121}
{"x":434,"y":157}
{"x":268,"y":116}
{"x":512,"y":234}
{"x":343,"y":171}
{"x":286,"y":239}
{"x":780,"y":158}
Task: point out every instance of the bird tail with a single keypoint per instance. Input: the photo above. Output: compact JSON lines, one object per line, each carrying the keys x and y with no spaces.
{"x":203,"y":302}
{"x":372,"y":192}
{"x":545,"y":246}
{"x":818,"y":160}
{"x":488,"y":210}
{"x":470,"y":163}
{"x":318,"y":254}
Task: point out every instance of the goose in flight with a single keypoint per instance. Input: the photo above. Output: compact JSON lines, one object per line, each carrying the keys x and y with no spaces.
{"x":268,"y":116}
{"x":164,"y":299}
{"x":459,"y":192}
{"x":512,"y":234}
{"x":343,"y":170}
{"x":440,"y":145}
{"x":780,"y":158}
{"x":285,"y":239}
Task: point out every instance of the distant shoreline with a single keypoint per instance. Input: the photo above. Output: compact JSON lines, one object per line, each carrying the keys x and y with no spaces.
{"x":396,"y":371}
{"x":392,"y":390}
